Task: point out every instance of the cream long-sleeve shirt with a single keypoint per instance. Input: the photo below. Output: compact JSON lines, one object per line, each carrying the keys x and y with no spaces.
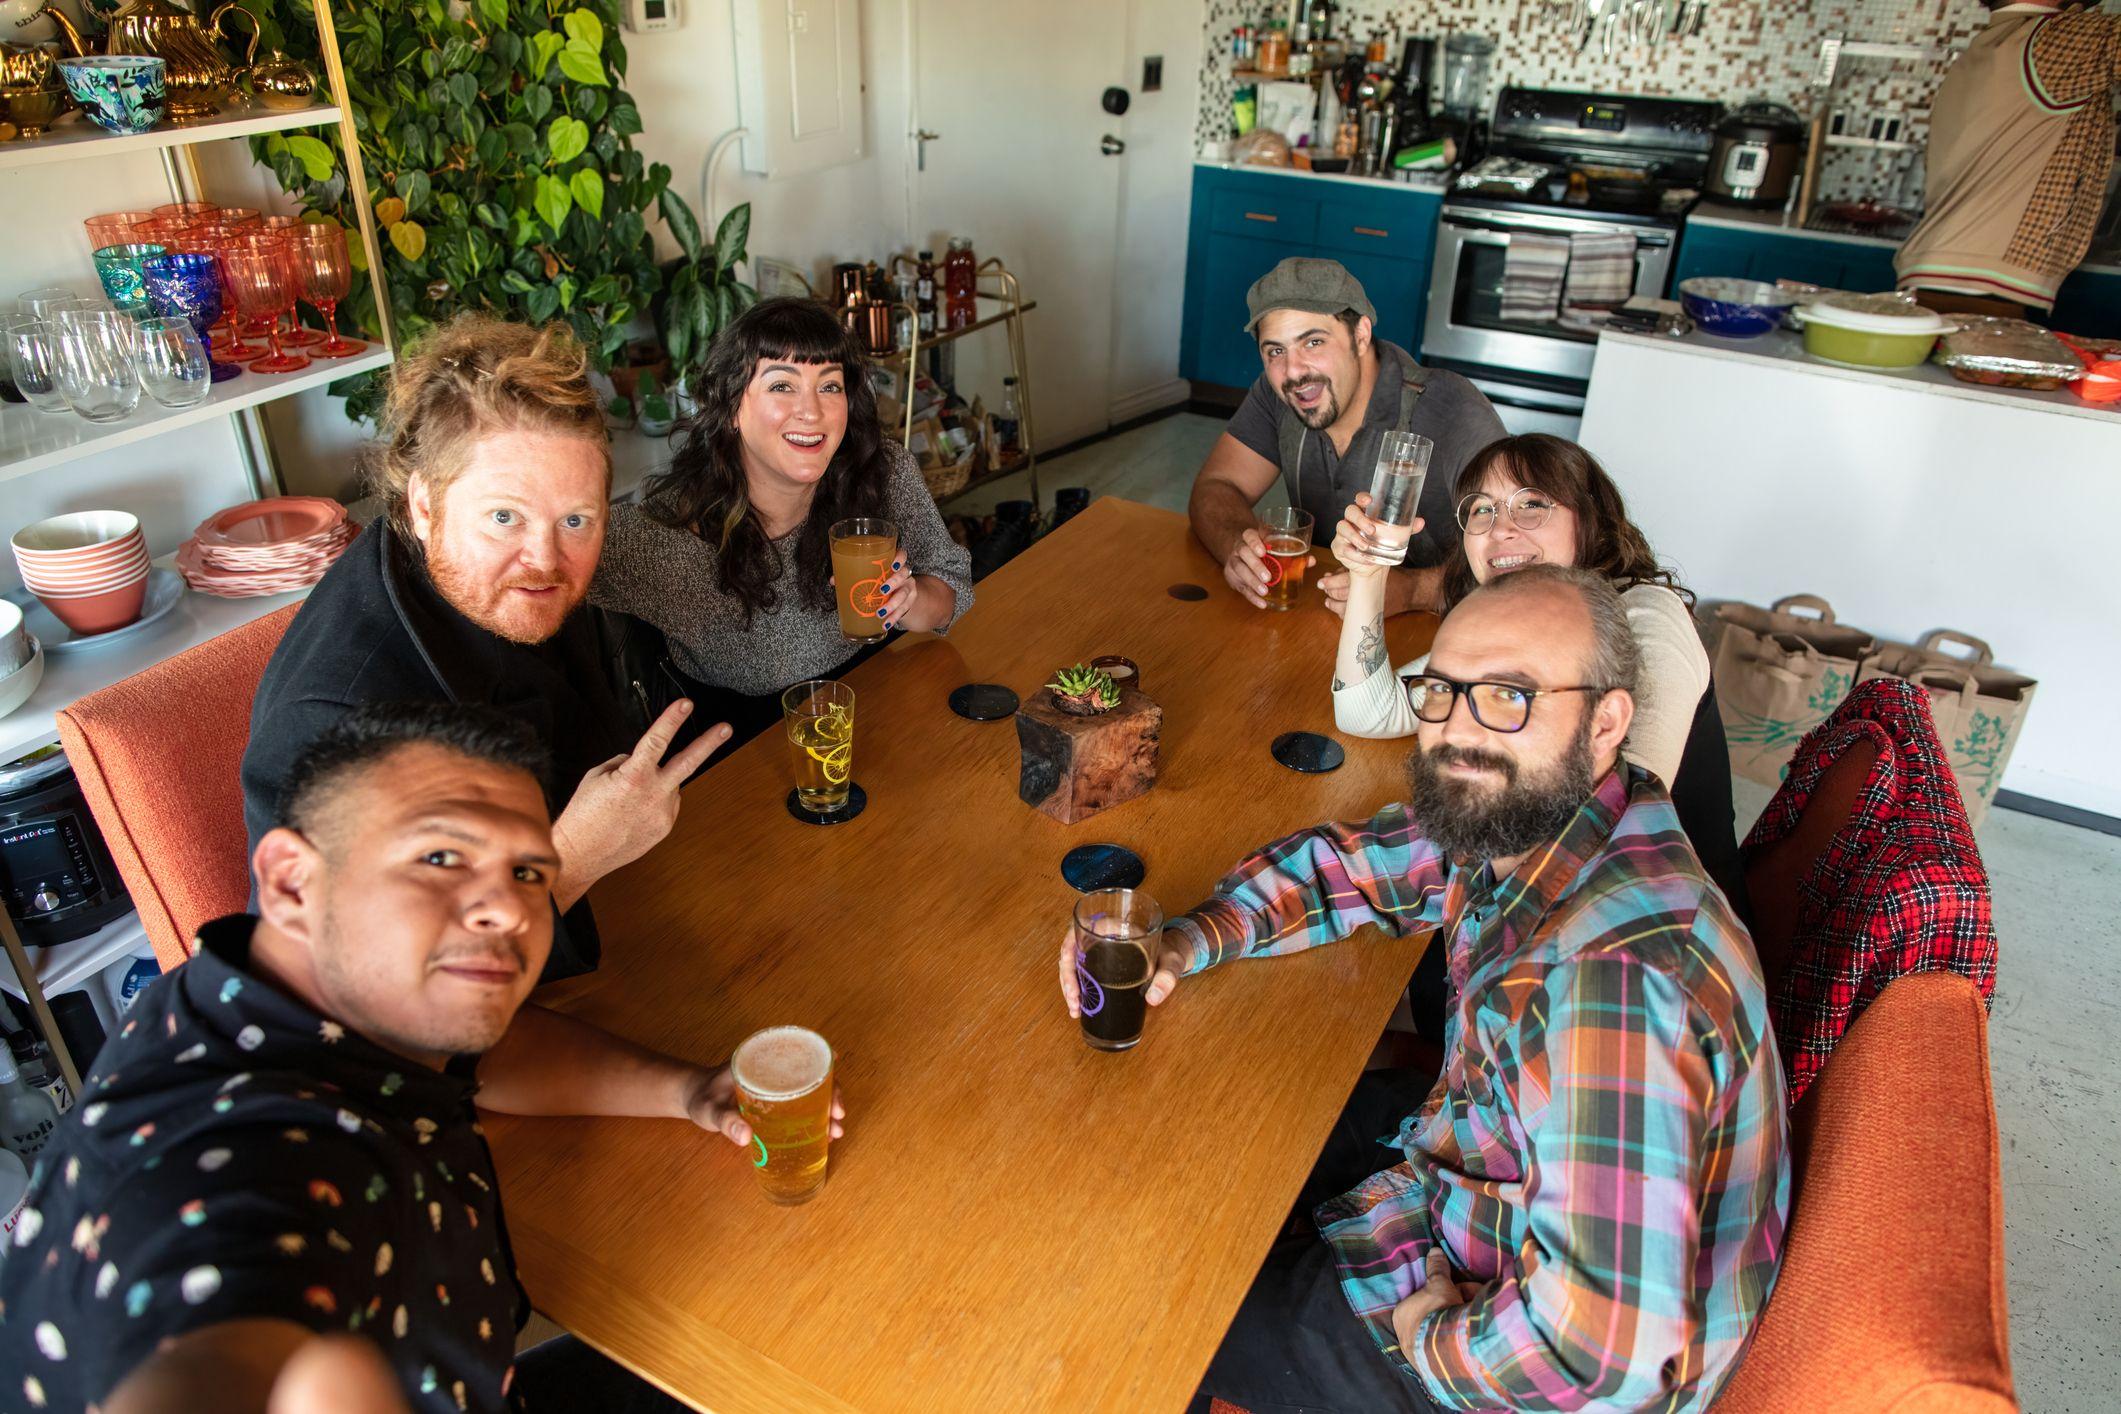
{"x":1675,"y":672}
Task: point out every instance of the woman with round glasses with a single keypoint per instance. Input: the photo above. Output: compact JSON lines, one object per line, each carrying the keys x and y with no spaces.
{"x":1536,"y":499}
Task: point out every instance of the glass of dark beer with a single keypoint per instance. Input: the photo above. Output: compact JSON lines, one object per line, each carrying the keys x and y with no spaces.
{"x":1117,"y":935}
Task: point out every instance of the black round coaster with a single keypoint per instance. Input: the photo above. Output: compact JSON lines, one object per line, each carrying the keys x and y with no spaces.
{"x":1102,"y":866}
{"x":1191,"y":593}
{"x":1308,"y":752}
{"x":984,"y":702}
{"x":857,"y":799}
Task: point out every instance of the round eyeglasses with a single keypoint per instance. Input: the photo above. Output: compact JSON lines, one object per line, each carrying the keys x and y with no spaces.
{"x":1527,"y":509}
{"x":1498,"y":706}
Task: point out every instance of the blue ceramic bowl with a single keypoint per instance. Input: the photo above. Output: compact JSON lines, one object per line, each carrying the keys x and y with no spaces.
{"x":125,"y":93}
{"x":1734,"y":309}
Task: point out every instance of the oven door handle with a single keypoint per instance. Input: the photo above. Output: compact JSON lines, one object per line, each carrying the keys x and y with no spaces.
{"x":1533,"y":225}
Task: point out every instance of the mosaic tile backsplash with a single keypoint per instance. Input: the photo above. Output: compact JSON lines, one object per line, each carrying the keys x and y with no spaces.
{"x":1746,"y":49}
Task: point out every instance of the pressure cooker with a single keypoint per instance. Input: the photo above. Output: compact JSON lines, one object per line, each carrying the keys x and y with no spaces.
{"x":1758,"y":151}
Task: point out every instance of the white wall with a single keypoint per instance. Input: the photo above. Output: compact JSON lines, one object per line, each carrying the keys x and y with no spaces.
{"x":1155,"y":199}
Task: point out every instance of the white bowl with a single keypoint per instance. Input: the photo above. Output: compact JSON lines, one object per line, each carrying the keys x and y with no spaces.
{"x":81,"y":530}
{"x":14,"y":638}
{"x":18,"y":686}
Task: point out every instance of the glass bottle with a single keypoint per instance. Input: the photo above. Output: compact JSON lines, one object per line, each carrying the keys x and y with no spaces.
{"x":40,"y":1070}
{"x":1274,"y":50}
{"x":924,"y":292}
{"x":27,"y":1116}
{"x":960,"y":284}
{"x":1008,"y":424}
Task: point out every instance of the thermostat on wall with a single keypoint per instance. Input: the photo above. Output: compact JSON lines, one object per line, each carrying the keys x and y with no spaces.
{"x":648,"y":16}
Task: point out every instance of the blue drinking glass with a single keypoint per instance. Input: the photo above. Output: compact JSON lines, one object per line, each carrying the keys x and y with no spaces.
{"x":188,"y":286}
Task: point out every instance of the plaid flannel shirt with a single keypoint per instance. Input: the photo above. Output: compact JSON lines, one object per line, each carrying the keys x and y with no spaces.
{"x":1899,"y":889}
{"x":1606,"y":1151}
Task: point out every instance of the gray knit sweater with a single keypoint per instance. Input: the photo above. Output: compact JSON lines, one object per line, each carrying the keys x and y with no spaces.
{"x":666,"y":576}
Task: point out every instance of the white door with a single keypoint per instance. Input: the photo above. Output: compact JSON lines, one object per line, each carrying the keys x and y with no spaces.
{"x":1013,"y":91}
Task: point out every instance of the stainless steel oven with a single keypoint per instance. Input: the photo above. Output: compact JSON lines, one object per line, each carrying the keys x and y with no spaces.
{"x":1543,"y":365}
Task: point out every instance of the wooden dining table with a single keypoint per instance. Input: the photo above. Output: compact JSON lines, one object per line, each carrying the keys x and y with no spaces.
{"x":1013,"y":1221}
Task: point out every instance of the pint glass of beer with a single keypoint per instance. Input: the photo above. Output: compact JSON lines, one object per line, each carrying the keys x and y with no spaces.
{"x":819,"y":716}
{"x":1117,"y":934}
{"x":862,"y":552}
{"x":784,"y":1091}
{"x":1287,"y":532}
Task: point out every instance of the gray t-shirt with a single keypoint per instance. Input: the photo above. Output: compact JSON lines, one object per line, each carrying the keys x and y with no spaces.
{"x":1450,"y":412}
{"x":667,"y":576}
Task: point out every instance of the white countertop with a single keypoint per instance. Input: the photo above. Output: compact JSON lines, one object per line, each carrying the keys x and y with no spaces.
{"x":1784,"y":349}
{"x":73,"y":675}
{"x":1434,"y":183}
{"x":1784,"y":223}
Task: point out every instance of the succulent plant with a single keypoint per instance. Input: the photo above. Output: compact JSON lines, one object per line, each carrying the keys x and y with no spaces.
{"x":1084,"y":691}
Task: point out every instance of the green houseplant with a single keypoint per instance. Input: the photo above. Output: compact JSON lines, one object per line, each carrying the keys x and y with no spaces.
{"x":702,"y":293}
{"x":497,"y":148}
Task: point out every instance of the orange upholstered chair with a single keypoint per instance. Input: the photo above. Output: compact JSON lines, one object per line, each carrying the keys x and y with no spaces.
{"x":157,"y":755}
{"x":1891,"y":1295}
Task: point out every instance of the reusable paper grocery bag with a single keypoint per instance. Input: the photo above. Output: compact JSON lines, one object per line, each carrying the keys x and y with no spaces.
{"x":1980,"y":708}
{"x":1778,"y":674}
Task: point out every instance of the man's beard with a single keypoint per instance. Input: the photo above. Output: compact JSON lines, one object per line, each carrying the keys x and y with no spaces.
{"x":1475,"y":821}
{"x":1324,"y":415}
{"x":492,"y":607}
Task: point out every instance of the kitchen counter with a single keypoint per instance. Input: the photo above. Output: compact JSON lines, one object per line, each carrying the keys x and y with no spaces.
{"x":1910,"y":501}
{"x":1434,"y":181}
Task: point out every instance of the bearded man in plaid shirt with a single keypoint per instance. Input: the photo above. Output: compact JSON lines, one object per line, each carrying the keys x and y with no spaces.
{"x":1589,"y":1212}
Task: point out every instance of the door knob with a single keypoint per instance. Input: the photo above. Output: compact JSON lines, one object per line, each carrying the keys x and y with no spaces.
{"x":1111,"y":146}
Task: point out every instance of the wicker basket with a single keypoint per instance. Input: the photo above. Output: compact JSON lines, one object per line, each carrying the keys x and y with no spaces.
{"x":946,"y":481}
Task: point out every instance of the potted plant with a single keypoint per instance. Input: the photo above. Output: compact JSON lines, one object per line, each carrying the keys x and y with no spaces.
{"x":653,"y":408}
{"x":701,"y":291}
{"x":1087,"y":744}
{"x":498,"y":150}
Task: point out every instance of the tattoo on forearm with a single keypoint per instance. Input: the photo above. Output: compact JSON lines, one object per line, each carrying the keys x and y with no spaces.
{"x":1370,"y":648}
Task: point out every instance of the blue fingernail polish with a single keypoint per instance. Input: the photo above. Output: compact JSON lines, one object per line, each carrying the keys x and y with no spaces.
{"x":879,"y":613}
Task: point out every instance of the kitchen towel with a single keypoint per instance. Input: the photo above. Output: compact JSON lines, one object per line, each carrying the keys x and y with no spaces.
{"x":1601,"y":270}
{"x":1533,"y":268}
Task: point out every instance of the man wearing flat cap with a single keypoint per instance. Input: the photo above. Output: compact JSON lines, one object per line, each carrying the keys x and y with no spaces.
{"x":1328,"y":391}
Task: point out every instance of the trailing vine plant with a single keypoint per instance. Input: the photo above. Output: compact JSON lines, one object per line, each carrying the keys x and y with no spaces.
{"x":498,"y":154}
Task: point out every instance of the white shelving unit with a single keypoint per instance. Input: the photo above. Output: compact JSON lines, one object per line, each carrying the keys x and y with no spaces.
{"x":31,"y":440}
{"x":75,"y":136}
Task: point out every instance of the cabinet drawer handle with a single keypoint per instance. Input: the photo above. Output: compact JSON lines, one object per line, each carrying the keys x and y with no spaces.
{"x":1261,"y":216}
{"x":1371,"y":231}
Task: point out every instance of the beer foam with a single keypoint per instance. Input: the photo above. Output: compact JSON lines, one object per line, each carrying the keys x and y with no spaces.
{"x":781,"y":1063}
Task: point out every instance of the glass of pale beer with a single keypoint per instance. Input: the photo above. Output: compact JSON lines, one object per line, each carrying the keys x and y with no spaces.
{"x":1287,"y":532}
{"x":819,"y":716}
{"x":863,"y":550}
{"x":1117,"y":934}
{"x":784,"y":1091}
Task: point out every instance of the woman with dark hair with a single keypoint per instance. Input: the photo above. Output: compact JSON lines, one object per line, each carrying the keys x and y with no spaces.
{"x":728,"y":553}
{"x":1537,"y":499}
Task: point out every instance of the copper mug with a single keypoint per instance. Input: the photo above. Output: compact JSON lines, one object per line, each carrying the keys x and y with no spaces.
{"x":877,"y":333}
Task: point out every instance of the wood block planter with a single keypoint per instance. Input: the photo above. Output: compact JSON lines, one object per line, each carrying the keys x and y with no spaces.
{"x":1076,"y":766}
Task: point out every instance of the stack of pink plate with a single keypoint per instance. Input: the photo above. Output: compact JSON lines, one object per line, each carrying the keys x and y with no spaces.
{"x":266,"y":547}
{"x":89,"y":568}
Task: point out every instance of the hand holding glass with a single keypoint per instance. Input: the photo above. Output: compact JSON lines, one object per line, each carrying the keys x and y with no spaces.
{"x":1395,"y":496}
{"x":1109,"y":965}
{"x":1287,"y":532}
{"x":784,"y":1092}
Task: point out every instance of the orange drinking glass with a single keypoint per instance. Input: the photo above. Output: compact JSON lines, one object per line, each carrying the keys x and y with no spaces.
{"x":327,"y":275}
{"x":239,"y":216}
{"x":291,"y":227}
{"x":261,"y":276}
{"x":187,"y":210}
{"x":116,"y":229}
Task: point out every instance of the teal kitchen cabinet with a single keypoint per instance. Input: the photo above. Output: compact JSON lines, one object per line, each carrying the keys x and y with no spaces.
{"x":1246,"y":222}
{"x":2089,"y":303}
{"x":1772,"y":255}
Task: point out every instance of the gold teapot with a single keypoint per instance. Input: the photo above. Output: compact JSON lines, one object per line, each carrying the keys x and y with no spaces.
{"x":28,"y":68}
{"x":199,"y":79}
{"x":277,"y":81}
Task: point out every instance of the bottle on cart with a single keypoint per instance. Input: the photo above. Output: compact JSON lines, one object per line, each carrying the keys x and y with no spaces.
{"x":924,"y":292}
{"x":39,"y":1068}
{"x":1008,"y":424}
{"x":960,"y":284}
{"x":27,"y":1116}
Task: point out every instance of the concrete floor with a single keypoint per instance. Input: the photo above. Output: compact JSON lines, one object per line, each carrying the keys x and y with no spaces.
{"x":2057,"y":1011}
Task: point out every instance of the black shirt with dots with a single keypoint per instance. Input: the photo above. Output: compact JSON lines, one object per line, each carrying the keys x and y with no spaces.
{"x":235,"y":1156}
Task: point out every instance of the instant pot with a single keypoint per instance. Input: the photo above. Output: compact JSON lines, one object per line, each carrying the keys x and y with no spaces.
{"x":1758,"y":151}
{"x":57,"y":880}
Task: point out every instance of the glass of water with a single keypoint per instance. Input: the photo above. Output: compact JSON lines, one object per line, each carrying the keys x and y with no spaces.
{"x":172,"y":361}
{"x":32,"y":357}
{"x":96,"y":369}
{"x":1395,"y":494}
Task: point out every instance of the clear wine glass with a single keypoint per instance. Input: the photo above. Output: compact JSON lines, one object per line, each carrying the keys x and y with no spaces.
{"x":33,"y":358}
{"x":173,"y":365}
{"x":95,"y":368}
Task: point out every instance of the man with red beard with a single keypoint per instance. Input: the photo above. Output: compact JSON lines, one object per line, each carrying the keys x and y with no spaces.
{"x":494,"y":472}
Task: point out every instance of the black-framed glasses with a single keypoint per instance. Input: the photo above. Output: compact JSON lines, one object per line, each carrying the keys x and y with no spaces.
{"x":1527,"y":509}
{"x":1498,"y":706}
